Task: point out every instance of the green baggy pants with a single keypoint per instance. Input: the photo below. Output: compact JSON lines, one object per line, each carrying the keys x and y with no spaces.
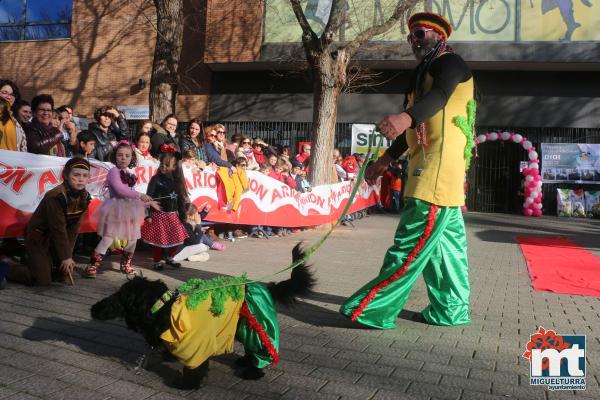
{"x":431,"y":240}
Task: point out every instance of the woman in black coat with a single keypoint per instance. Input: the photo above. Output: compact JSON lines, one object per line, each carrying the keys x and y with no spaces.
{"x":168,"y":135}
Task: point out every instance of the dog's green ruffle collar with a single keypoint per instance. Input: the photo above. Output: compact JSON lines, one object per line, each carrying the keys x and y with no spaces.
{"x":197,"y":290}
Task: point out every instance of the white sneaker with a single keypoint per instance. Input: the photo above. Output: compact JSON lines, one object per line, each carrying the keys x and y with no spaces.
{"x":202,"y":257}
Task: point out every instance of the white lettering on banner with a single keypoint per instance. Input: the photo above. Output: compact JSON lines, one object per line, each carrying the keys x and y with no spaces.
{"x":25,"y":177}
{"x":29,"y":176}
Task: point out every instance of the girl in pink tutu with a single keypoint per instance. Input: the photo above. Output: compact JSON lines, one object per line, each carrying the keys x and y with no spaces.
{"x":164,"y":229}
{"x":120,"y":216}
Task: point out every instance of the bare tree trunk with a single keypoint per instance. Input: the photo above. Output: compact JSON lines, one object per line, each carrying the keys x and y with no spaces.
{"x":329,"y":63}
{"x":169,"y":37}
{"x":329,"y":79}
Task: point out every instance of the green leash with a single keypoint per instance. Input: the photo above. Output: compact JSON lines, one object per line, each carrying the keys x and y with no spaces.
{"x":316,"y":245}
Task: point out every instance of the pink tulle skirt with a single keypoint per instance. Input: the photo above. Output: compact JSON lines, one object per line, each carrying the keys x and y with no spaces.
{"x":120,"y":218}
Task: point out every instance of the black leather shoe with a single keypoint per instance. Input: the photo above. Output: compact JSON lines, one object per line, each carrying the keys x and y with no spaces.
{"x":172,"y":263}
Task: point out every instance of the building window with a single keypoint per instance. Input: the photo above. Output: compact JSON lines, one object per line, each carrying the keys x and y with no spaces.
{"x":35,"y":19}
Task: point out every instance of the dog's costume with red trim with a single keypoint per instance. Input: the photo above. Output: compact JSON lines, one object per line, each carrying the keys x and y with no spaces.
{"x":201,"y":329}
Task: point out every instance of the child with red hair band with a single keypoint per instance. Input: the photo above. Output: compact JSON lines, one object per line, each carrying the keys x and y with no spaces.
{"x":164,"y":228}
{"x":121,"y":215}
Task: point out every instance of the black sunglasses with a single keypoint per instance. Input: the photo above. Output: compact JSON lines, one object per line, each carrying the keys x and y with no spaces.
{"x":418,"y":34}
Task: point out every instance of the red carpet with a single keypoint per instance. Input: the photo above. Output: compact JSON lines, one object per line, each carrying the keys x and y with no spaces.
{"x":559,"y":265}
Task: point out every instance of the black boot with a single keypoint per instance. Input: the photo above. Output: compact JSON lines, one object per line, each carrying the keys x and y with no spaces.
{"x":172,"y":263}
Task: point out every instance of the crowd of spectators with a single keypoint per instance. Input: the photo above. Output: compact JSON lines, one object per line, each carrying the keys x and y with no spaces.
{"x":42,"y":128}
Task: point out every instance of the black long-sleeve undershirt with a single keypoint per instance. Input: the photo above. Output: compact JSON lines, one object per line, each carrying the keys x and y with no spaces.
{"x":447,"y":72}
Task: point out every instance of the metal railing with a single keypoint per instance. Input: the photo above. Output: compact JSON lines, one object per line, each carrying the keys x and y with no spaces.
{"x":276,"y":133}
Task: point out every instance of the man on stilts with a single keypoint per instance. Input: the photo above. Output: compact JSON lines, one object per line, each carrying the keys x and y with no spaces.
{"x":430,"y":237}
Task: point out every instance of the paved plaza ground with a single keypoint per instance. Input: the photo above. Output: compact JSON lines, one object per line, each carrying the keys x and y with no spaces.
{"x":50,"y":349}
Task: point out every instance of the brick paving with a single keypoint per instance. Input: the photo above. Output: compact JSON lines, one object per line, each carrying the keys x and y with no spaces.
{"x":50,"y":349}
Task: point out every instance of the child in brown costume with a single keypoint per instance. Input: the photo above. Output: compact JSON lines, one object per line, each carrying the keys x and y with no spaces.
{"x":54,"y":226}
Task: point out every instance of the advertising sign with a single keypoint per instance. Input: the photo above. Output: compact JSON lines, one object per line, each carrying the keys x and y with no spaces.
{"x":571,"y":162}
{"x":135,"y":112}
{"x":363,"y":134}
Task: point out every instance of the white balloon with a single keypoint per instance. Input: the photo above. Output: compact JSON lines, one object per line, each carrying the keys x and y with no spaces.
{"x":481,"y":138}
{"x":538,"y":184}
{"x":525,"y":205}
{"x":528,"y":201}
{"x":533,"y":155}
{"x":517,"y":138}
{"x":538,"y":205}
{"x":505,"y":135}
{"x":534,"y":165}
{"x":534,"y":194}
{"x":493,"y":136}
{"x":529,"y":178}
{"x":527,"y":145}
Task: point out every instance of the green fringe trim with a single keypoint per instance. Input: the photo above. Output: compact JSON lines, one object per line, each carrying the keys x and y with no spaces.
{"x":467,"y":126}
{"x":220,"y":289}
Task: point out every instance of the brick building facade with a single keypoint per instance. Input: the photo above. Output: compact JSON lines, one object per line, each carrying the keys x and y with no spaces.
{"x":111,"y":47}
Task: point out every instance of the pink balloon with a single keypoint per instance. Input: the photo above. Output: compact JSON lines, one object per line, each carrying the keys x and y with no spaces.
{"x":537,"y":178}
{"x":525,"y":171}
{"x":537,"y":212}
{"x":528,"y":212}
{"x":538,"y":199}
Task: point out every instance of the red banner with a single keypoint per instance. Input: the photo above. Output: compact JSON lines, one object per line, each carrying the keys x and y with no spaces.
{"x":24,"y":178}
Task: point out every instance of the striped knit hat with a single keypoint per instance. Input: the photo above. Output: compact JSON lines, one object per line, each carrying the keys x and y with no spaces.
{"x":431,"y":21}
{"x":75,"y":162}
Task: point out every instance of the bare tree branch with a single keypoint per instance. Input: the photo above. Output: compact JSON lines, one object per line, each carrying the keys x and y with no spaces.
{"x":364,"y":36}
{"x":335,"y":20}
{"x":308,"y":35}
{"x":359,"y":78}
{"x":329,"y":58}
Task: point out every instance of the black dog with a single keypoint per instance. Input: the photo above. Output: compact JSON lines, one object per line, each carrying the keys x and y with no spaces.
{"x":135,"y":299}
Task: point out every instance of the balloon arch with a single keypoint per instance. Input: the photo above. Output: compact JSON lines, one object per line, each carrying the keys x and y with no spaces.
{"x":532,"y":180}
